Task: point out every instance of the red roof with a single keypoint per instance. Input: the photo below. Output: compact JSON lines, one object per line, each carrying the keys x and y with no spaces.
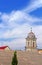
{"x":3,"y":47}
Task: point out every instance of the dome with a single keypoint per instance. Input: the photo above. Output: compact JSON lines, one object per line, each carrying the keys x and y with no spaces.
{"x":31,"y":35}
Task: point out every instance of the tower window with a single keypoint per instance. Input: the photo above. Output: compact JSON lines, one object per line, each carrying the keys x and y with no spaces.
{"x":28,"y":43}
{"x":33,"y":44}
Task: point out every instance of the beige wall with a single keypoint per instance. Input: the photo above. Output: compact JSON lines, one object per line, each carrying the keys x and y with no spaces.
{"x":30,"y":43}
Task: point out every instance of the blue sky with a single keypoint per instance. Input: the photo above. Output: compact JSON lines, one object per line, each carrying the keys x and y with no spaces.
{"x":37,"y":13}
{"x":9,"y":5}
{"x":16,"y":19}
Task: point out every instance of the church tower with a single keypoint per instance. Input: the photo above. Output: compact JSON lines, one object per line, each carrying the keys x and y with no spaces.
{"x":31,"y":41}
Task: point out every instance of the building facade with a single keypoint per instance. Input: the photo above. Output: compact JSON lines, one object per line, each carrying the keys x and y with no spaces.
{"x":31,"y":41}
{"x":4,"y":48}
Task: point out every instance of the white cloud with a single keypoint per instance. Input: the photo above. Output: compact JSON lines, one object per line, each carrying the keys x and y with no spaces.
{"x":17,"y":30}
{"x":34,"y":4}
{"x":17,"y":24}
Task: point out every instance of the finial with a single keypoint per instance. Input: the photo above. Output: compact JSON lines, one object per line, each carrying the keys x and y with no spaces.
{"x":31,"y":29}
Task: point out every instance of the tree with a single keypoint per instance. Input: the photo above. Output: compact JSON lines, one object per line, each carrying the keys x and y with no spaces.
{"x":14,"y":59}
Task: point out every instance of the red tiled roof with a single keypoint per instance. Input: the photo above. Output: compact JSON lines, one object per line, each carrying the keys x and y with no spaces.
{"x":3,"y":47}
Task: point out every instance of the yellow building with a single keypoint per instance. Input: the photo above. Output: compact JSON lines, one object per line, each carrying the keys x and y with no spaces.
{"x":40,"y":51}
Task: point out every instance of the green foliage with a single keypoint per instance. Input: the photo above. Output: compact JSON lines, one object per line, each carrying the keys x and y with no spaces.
{"x":14,"y":59}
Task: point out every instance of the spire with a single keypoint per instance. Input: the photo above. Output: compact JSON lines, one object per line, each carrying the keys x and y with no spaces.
{"x":31,"y":29}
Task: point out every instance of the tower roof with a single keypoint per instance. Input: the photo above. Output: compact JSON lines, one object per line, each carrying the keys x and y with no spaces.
{"x":31,"y":35}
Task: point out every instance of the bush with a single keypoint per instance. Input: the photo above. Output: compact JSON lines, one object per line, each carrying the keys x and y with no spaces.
{"x":14,"y":59}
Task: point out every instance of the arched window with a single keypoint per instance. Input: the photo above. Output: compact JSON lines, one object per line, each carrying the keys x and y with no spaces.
{"x":33,"y":44}
{"x":28,"y":43}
